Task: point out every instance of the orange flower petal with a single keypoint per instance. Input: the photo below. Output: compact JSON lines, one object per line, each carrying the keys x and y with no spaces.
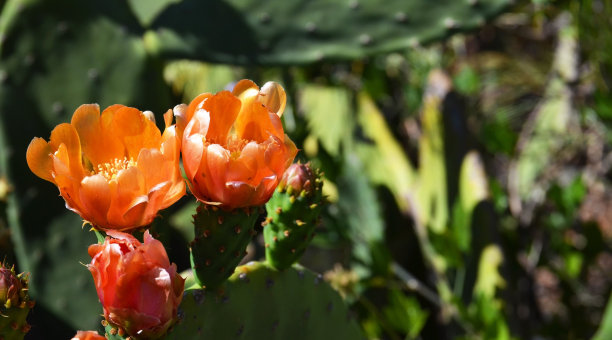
{"x":217,"y":158}
{"x":226,"y":108}
{"x":65,"y":181}
{"x":154,"y":167}
{"x":245,"y":167}
{"x":187,"y":114}
{"x":128,"y":185}
{"x":168,"y":118}
{"x":175,"y":192}
{"x":171,"y":144}
{"x":67,"y":135}
{"x":193,"y":151}
{"x":245,"y":88}
{"x":97,"y":145}
{"x":157,"y":198}
{"x":239,"y":194}
{"x":136,"y":212}
{"x":39,"y":159}
{"x":256,"y":123}
{"x":135,"y":130}
{"x":95,"y":196}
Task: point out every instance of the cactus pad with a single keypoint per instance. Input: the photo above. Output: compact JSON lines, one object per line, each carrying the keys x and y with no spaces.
{"x":220,"y":242}
{"x":259,"y":302}
{"x":292,"y":218}
{"x":305,"y":31}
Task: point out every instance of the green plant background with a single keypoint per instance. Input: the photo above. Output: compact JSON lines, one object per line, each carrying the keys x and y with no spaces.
{"x":465,"y":147}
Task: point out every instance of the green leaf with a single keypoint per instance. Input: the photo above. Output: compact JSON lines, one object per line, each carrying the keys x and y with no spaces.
{"x":432,"y":200}
{"x":384,"y":159}
{"x":360,"y":209}
{"x":148,"y":10}
{"x":328,"y":111}
{"x":473,"y":189}
{"x":489,"y":279}
{"x":467,"y":81}
{"x":605,"y":327}
{"x":405,"y":313}
{"x":552,"y":131}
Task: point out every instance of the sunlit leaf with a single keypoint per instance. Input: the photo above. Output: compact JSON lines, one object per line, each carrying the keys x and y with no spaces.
{"x":473,"y":188}
{"x":489,"y":278}
{"x":190,"y":78}
{"x":328,"y":111}
{"x":432,"y":193}
{"x":384,"y":160}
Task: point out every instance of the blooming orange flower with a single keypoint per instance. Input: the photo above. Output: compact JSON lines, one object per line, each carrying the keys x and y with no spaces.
{"x":139,"y":289}
{"x":234,"y":147}
{"x":87,"y":335}
{"x":115,"y":169}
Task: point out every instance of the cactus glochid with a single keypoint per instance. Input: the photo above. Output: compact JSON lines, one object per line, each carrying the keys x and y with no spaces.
{"x":15,"y":304}
{"x":293,"y":213}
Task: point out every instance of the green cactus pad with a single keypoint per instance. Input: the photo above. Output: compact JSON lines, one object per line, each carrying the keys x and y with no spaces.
{"x":289,"y":227}
{"x":306,"y":31}
{"x":220,"y":242}
{"x":13,"y":323}
{"x":259,"y":302}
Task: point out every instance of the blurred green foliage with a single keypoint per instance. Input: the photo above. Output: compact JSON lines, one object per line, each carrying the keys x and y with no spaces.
{"x":469,"y":178}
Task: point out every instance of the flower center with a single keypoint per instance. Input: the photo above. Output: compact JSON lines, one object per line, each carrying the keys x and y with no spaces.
{"x":233,"y":144}
{"x":110,"y":169}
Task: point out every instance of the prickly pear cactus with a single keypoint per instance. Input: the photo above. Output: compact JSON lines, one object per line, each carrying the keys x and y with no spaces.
{"x":220,"y":242}
{"x":297,"y":32}
{"x":259,"y":302}
{"x":94,"y":49}
{"x":15,"y":304}
{"x":293,"y":213}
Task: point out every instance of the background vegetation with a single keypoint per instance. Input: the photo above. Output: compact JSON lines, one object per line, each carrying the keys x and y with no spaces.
{"x":466,"y":148}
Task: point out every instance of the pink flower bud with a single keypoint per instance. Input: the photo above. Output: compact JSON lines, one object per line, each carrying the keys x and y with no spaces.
{"x":138,"y":287}
{"x":298,"y":177}
{"x":10,"y":286}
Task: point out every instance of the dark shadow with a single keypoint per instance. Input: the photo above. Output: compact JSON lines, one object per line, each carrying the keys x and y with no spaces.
{"x":209,"y":30}
{"x":45,"y":325}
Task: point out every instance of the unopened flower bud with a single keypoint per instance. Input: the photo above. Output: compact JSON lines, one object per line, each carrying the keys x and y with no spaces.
{"x":138,"y":287}
{"x":10,"y":286}
{"x":298,"y":177}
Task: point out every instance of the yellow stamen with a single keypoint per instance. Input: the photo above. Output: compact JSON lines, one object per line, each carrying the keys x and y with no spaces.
{"x":110,"y":169}
{"x":233,"y":144}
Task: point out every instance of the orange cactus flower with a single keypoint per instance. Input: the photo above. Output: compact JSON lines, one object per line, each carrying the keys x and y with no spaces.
{"x":115,"y":169}
{"x":234,"y":147}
